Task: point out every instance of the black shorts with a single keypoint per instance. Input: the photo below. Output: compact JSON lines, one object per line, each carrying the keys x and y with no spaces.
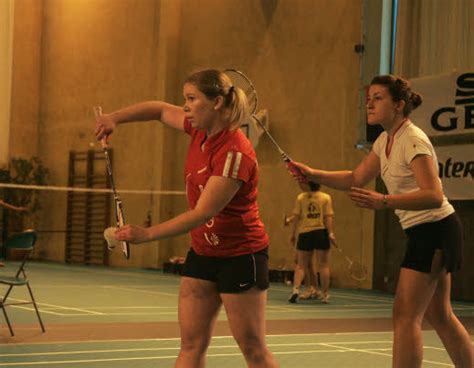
{"x":231,"y":274}
{"x":423,"y":240}
{"x":316,"y":239}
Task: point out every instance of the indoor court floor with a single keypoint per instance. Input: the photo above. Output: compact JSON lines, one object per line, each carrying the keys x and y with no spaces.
{"x":103,"y":317}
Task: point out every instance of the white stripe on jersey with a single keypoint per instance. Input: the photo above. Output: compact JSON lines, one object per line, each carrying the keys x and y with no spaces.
{"x":228,"y":161}
{"x":236,"y":165}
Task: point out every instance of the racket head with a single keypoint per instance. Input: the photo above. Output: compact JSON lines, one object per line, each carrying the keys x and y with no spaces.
{"x":240,"y":80}
{"x":357,"y":271}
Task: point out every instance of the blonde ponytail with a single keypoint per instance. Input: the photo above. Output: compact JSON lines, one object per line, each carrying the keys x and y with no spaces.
{"x":239,"y":107}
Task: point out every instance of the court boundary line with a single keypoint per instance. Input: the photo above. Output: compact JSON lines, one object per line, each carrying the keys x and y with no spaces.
{"x":213,"y":337}
{"x":54,"y":306}
{"x":369,"y":351}
{"x":334,"y":346}
{"x":177,"y":348}
{"x":161,"y":274}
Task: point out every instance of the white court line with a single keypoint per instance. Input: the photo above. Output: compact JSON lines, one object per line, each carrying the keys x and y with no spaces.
{"x":130,"y":307}
{"x":364,"y":297}
{"x":60,"y":307}
{"x":159,"y":357}
{"x":337,"y":294}
{"x":152,"y":275}
{"x":385,"y":300}
{"x":334,"y":349}
{"x":125,"y":314}
{"x":289,"y":309}
{"x":53,"y":286}
{"x":174,"y":276}
{"x":331,"y":309}
{"x":92,"y":360}
{"x":72,"y":352}
{"x":457,"y":305}
{"x":371,"y":351}
{"x":141,"y":291}
{"x":213,"y":338}
{"x":41,"y":310}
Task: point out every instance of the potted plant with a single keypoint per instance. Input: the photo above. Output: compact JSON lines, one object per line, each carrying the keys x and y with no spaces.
{"x":27,"y":172}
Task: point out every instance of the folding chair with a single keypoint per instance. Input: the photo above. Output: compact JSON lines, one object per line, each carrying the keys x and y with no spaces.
{"x":24,"y":243}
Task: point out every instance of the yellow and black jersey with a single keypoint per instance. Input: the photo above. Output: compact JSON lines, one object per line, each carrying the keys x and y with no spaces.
{"x":310,"y":209}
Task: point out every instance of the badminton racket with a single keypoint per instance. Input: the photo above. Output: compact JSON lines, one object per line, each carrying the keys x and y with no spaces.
{"x":119,"y":216}
{"x":356,"y":270}
{"x":243,"y":82}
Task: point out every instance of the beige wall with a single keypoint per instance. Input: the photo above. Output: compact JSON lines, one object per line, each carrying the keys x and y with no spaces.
{"x":6,"y":38}
{"x":299,"y":54}
{"x":26,"y":78}
{"x":100,"y":53}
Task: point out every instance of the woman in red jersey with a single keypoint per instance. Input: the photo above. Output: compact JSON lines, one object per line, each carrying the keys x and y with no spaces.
{"x":228,"y":260}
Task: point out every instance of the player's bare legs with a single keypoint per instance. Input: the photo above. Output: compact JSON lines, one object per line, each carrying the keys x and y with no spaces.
{"x":246,"y":315}
{"x":199,"y":304}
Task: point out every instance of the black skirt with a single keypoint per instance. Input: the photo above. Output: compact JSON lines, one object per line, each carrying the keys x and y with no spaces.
{"x":423,"y":240}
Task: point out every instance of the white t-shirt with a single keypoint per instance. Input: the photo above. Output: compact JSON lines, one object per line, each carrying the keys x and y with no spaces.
{"x":409,"y":142}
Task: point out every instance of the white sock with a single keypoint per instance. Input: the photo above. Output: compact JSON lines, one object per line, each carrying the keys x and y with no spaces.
{"x":296,"y":290}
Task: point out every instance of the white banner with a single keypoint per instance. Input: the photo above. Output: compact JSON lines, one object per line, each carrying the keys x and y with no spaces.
{"x":448,"y":104}
{"x":447,"y":109}
{"x":456,"y":170}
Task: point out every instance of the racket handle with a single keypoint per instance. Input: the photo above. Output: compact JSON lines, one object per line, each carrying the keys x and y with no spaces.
{"x":295,"y":170}
{"x":97,"y":110}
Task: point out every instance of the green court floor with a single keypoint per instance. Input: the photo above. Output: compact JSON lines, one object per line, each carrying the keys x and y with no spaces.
{"x":298,"y":351}
{"x":102,"y":317}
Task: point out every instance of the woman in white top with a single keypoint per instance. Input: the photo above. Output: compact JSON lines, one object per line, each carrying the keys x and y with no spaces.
{"x":404,"y":157}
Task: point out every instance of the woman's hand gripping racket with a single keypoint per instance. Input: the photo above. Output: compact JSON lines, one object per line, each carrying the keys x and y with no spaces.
{"x":119,"y":216}
{"x":241,"y":81}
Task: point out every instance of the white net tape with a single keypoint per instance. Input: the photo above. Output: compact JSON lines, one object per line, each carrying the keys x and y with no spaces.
{"x":90,"y":190}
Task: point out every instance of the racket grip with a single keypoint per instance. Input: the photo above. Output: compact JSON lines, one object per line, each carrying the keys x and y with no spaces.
{"x":296,"y":171}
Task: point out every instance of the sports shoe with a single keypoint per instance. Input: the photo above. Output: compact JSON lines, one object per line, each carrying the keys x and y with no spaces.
{"x":311,"y":294}
{"x":293,"y":298}
{"x":325,"y":298}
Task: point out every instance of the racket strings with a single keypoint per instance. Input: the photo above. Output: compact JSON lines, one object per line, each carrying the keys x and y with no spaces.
{"x":358,"y":271}
{"x":240,"y":80}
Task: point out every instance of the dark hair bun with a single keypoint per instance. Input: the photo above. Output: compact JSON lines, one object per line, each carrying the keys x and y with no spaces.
{"x":415,"y":99}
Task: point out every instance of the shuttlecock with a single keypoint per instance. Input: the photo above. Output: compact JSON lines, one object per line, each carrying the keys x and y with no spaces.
{"x":109,"y":235}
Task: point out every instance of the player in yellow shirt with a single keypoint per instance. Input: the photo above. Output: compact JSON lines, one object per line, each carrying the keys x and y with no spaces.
{"x":313,"y":221}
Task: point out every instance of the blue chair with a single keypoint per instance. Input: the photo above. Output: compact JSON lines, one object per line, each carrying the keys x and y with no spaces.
{"x":24,"y":243}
